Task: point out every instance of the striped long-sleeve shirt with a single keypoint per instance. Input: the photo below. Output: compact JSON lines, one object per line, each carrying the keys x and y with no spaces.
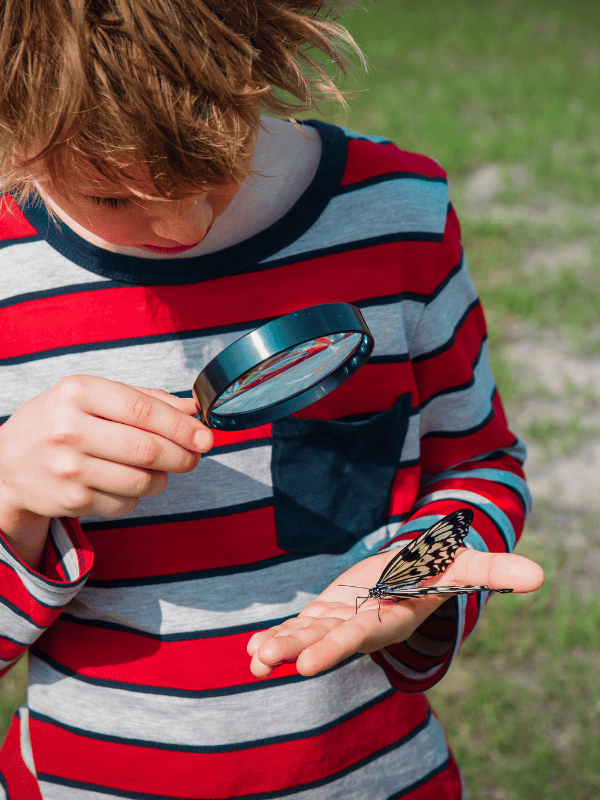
{"x":137,"y":627}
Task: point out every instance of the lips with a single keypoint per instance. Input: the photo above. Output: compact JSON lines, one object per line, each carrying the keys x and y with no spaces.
{"x":170,"y":250}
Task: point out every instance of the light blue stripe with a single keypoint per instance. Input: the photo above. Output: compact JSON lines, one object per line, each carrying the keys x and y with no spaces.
{"x":474,"y":541}
{"x":477,"y":500}
{"x":461,"y":601}
{"x":354,"y":135}
{"x":496,"y":475}
{"x":420,"y":524}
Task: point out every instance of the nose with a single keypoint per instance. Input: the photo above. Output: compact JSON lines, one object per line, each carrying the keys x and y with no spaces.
{"x":181,"y":221}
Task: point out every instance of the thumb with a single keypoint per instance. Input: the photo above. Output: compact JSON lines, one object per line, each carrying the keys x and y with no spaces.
{"x":497,"y":570}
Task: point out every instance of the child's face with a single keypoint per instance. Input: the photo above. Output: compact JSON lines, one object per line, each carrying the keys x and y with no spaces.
{"x":132,"y":215}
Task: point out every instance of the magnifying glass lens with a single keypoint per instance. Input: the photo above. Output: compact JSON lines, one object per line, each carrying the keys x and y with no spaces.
{"x":287,"y":373}
{"x":282,"y":366}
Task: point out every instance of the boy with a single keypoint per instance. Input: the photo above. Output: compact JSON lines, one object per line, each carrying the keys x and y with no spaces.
{"x":155,"y":218}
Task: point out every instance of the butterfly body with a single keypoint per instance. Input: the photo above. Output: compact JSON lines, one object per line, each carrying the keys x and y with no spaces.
{"x":427,"y":555}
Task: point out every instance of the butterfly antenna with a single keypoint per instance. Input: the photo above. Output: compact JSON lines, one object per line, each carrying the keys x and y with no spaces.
{"x":353,"y":587}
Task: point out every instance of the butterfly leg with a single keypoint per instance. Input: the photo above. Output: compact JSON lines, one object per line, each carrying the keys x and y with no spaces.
{"x":364,"y":600}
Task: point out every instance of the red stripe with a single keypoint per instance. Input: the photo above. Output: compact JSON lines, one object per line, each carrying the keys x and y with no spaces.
{"x":452,"y":249}
{"x":454,"y":366}
{"x":202,"y":664}
{"x":221,"y":775}
{"x":227,"y":438}
{"x":369,"y":159}
{"x":171,"y":548}
{"x":499,"y":408}
{"x":149,"y":311}
{"x":497,"y":494}
{"x":13,"y":588}
{"x":9,"y":651}
{"x":14,"y":224}
{"x":404,"y":490}
{"x":375,"y":387}
{"x":439,"y":453}
{"x":410,"y":686}
{"x":414,"y":660}
{"x":20,"y":782}
{"x":441,"y":628}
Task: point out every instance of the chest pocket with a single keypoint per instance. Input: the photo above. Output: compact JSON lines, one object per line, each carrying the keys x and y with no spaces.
{"x":332,"y":480}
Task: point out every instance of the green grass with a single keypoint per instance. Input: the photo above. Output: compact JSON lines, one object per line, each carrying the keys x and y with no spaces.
{"x":557,"y":437}
{"x":12,"y":693}
{"x":474,"y":81}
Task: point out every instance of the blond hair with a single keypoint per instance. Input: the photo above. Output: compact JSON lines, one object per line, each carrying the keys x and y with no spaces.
{"x":177,"y":85}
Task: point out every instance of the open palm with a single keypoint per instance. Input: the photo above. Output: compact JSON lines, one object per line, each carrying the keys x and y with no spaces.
{"x":329,"y":630}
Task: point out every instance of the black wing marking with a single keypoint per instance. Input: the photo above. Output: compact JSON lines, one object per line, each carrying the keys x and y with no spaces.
{"x":430,"y":553}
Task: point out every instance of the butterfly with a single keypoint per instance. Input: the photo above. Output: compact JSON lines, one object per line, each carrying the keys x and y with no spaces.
{"x":427,"y":555}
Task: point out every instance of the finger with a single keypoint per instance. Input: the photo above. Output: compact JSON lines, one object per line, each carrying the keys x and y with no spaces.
{"x":258,"y":669}
{"x":124,"y":481}
{"x":186,"y":405}
{"x":119,"y":402}
{"x":286,"y":646}
{"x":496,"y":570}
{"x":341,"y":642}
{"x":257,"y":640}
{"x":125,"y":444}
{"x":103,"y":504}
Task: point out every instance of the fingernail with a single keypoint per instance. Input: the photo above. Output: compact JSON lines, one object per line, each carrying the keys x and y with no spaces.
{"x":203,"y":440}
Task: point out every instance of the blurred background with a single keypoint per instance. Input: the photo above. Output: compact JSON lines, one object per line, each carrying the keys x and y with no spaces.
{"x":505,"y":95}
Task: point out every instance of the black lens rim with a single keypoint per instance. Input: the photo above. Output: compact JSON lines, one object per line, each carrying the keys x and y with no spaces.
{"x":270,"y":339}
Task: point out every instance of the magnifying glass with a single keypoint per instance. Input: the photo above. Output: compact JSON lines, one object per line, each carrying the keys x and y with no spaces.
{"x":282,"y":366}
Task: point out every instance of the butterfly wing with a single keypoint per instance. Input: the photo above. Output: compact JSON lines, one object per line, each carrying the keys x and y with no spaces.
{"x":403,"y":594}
{"x":430,"y":553}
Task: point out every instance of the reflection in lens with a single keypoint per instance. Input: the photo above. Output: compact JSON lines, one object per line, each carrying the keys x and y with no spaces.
{"x":287,"y":373}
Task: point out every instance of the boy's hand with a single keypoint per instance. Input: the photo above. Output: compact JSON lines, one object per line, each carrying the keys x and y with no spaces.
{"x":89,"y":445}
{"x":328,"y":630}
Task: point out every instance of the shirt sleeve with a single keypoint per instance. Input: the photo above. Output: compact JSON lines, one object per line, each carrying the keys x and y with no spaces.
{"x":469,"y":458}
{"x":30,"y":601}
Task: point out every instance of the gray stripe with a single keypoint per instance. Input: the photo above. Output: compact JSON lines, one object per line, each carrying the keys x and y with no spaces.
{"x":214,"y":603}
{"x":455,"y":412}
{"x":378,"y":779}
{"x":219,"y":481}
{"x":169,"y":365}
{"x":30,"y":260}
{"x":411,"y":449}
{"x":229,"y":720}
{"x":391,"y":207}
{"x":442,"y":315}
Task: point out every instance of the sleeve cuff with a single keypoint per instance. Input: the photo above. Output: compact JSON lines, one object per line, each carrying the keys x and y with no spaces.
{"x":422,"y":660}
{"x":30,"y":601}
